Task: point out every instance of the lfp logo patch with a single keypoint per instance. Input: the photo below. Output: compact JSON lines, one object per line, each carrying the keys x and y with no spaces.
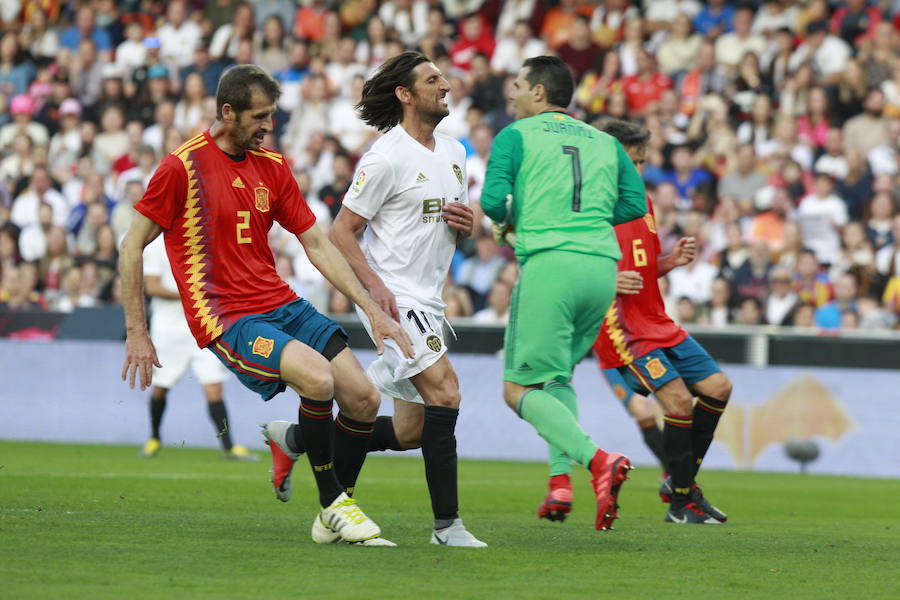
{"x":361,"y":179}
{"x":263,"y":346}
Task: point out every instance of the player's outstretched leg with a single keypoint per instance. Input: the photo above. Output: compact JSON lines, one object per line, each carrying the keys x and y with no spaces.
{"x":556,"y":424}
{"x":279,"y":436}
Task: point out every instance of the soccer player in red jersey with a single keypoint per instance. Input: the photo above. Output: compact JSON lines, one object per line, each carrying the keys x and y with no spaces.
{"x":214,"y":200}
{"x":653,"y":354}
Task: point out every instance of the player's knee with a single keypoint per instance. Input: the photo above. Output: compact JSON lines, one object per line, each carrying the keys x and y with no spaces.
{"x":641,"y":409}
{"x":511,"y":397}
{"x":447,"y":395}
{"x":722,"y":392}
{"x":682,"y":405}
{"x":367,"y":402}
{"x":319,"y":385}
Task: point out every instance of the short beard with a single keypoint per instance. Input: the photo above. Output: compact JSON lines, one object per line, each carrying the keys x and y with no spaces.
{"x":431,"y":117}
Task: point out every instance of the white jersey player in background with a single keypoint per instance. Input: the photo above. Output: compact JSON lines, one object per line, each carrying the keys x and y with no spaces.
{"x":177,"y":350}
{"x":408,"y":199}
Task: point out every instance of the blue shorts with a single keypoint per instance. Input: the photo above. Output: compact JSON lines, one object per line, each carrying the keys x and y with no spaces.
{"x":618,"y":384}
{"x":251,"y":348}
{"x":688,"y":360}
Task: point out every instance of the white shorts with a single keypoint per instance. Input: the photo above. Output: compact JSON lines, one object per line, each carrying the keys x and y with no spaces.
{"x":391,"y":371}
{"x":176,"y":353}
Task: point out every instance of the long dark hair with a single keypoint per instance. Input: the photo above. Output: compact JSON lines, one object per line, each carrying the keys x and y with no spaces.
{"x":379,"y":106}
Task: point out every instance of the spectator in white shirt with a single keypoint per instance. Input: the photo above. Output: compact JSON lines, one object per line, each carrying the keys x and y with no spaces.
{"x":693,"y":281}
{"x":782,"y":298}
{"x":820,"y":216}
{"x":132,"y":53}
{"x":731,"y":47}
{"x":178,"y":36}
{"x":476,"y":164}
{"x":497,"y":310}
{"x":660,"y":14}
{"x":827,"y":53}
{"x":25,"y":208}
{"x":833,"y":161}
{"x":409,"y":18}
{"x":33,"y":239}
{"x":516,"y":46}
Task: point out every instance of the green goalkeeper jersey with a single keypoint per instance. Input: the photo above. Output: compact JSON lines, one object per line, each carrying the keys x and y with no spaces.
{"x":570,"y":183}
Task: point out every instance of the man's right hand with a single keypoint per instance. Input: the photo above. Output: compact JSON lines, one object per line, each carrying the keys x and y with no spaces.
{"x":385,"y":327}
{"x":629,"y":283}
{"x":140,"y":355}
{"x":384,"y":298}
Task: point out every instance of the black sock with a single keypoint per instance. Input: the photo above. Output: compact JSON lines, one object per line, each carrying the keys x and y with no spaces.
{"x":439,"y":452}
{"x":316,"y":430}
{"x":351,"y":442}
{"x":677,"y":446}
{"x":384,"y":438}
{"x":653,"y":437}
{"x":707,"y":412}
{"x":219,"y":415}
{"x":157,"y":408}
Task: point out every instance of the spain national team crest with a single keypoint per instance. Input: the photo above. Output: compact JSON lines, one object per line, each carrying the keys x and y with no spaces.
{"x":651,"y":222}
{"x":262,"y":198}
{"x":433,"y":342}
{"x":263,"y":346}
{"x":458,"y":172}
{"x":655,"y":367}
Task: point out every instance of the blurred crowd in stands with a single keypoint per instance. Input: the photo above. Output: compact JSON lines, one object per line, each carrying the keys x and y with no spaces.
{"x":775,"y":133}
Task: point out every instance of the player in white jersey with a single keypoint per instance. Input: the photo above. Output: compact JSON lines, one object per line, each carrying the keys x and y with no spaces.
{"x":177,"y":350}
{"x":408,"y":199}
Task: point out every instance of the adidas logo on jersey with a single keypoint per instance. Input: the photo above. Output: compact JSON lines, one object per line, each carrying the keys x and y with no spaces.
{"x":238,"y":183}
{"x":421,"y":178}
{"x":524,"y":367}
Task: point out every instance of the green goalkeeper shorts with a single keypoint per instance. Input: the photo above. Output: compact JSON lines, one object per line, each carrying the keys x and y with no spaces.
{"x":555,"y":314}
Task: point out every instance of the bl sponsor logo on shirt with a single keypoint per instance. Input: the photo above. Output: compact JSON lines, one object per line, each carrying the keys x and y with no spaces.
{"x":433,"y":208}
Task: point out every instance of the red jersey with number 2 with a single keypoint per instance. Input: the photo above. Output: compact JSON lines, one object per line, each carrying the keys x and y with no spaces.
{"x":216,"y":214}
{"x":637,"y":324}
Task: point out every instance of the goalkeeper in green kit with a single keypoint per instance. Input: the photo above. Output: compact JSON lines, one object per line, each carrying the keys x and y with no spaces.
{"x":561,"y":185}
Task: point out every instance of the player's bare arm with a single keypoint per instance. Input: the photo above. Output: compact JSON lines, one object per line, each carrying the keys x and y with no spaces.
{"x":683,"y":254}
{"x":629,"y":283}
{"x":344,"y":235}
{"x":460,"y":217}
{"x":329,"y":261}
{"x":140,"y":355}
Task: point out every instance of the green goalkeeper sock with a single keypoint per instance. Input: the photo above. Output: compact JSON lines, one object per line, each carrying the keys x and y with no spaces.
{"x":560,"y":463}
{"x":556,"y":425}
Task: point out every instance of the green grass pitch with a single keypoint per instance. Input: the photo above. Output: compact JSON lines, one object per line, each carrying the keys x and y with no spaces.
{"x":98,"y":522}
